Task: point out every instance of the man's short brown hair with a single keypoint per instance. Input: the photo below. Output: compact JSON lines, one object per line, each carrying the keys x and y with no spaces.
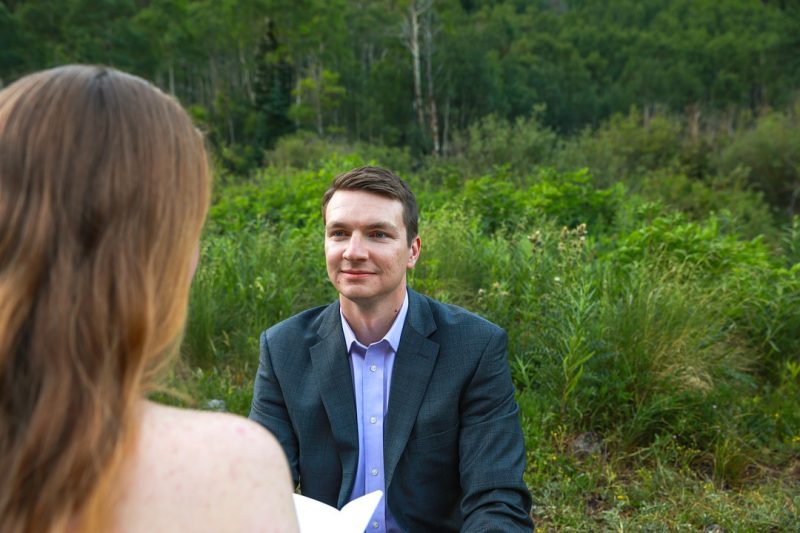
{"x":382,"y":182}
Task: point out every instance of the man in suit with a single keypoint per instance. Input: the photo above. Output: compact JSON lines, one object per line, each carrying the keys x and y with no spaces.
{"x":386,"y":389}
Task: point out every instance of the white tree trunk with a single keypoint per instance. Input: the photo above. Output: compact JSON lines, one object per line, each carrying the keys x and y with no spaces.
{"x":433,"y":115}
{"x":412,"y":41}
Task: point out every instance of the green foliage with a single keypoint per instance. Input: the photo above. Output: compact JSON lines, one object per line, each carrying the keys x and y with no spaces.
{"x":273,"y":88}
{"x":568,"y":198}
{"x":698,"y":248}
{"x":759,"y":294}
{"x":521,"y":146}
{"x":304,"y":150}
{"x":770,"y":155}
{"x":625,"y":147}
{"x":218,"y":388}
{"x":667,"y":350}
{"x":273,"y":197}
{"x":317,"y":95}
{"x":765,"y":303}
{"x":739,"y":209}
{"x":791,"y":242}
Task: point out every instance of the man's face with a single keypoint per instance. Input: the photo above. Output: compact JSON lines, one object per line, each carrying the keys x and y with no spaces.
{"x":366,"y":248}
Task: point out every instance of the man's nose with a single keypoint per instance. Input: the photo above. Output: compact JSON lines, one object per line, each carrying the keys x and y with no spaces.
{"x":355,"y":251}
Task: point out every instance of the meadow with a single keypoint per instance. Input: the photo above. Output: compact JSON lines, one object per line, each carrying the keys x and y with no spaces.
{"x":648,"y":275}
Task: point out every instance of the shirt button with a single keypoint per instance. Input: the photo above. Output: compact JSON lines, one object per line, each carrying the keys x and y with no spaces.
{"x":374,"y":473}
{"x":373,"y":368}
{"x":374,"y":525}
{"x":373,"y":419}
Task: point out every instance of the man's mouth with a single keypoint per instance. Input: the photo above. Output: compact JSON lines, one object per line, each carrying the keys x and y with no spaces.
{"x":357,"y":273}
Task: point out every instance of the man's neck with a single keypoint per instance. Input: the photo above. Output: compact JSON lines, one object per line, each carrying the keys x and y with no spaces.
{"x":371,"y":321}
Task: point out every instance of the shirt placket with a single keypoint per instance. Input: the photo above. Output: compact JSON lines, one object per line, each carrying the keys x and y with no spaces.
{"x":373,"y":431}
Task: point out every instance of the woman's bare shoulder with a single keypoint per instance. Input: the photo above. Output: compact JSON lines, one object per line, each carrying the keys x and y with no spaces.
{"x":202,"y":471}
{"x":200,"y":432}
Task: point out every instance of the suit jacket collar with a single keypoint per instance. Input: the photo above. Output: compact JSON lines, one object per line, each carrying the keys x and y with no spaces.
{"x":331,"y":368}
{"x":413,"y":366}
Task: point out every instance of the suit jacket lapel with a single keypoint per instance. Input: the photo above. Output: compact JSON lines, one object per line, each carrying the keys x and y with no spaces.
{"x":334,"y":378}
{"x":413,"y":366}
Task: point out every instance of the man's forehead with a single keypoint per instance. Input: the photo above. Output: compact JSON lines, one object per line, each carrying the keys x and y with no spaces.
{"x":363,"y":206}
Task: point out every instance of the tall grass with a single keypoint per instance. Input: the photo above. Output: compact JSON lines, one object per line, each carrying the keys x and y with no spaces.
{"x":247,"y":282}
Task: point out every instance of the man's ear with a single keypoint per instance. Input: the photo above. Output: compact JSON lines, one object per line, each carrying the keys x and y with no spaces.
{"x":413,"y":252}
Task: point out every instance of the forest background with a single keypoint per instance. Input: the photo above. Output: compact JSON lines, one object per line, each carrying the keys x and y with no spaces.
{"x":616,"y":183}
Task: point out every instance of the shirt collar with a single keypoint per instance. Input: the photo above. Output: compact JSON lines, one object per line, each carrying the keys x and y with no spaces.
{"x":392,"y":336}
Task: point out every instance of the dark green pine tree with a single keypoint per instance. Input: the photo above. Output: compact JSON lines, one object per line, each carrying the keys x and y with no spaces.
{"x":274,"y":79}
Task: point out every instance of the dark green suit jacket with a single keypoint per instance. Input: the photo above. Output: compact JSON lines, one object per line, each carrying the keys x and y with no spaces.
{"x":454,"y":452}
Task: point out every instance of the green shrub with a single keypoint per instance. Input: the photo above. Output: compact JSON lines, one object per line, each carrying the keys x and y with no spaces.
{"x":458,"y":260}
{"x":754,"y":290}
{"x":700,"y":248}
{"x":306,"y":150}
{"x":624,"y":148}
{"x":522,"y":145}
{"x":567,"y":198}
{"x":289,"y":198}
{"x":739,"y":209}
{"x":218,"y":388}
{"x":770,"y":155}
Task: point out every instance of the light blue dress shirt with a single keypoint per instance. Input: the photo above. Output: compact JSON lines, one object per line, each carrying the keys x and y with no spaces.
{"x":372,"y":376}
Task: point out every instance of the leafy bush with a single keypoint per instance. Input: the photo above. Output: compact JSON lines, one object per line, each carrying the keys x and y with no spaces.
{"x":567,"y":198}
{"x":699,"y":248}
{"x":753,"y":288}
{"x":629,"y":352}
{"x":624,"y":148}
{"x":286,"y":198}
{"x":522,"y":145}
{"x":739,"y":209}
{"x":770,"y":155}
{"x":304,"y":150}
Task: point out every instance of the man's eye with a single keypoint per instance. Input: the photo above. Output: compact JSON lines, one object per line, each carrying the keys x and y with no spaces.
{"x":337,"y":233}
{"x":379,"y":235}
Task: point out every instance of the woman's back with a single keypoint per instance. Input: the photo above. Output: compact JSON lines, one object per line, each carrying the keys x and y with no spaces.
{"x":200,"y":471}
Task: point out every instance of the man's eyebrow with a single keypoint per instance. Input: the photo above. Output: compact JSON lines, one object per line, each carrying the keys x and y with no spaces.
{"x":382,"y":225}
{"x":375,"y":225}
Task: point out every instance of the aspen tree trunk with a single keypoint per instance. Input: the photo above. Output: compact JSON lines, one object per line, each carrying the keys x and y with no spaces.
{"x":433,"y":116}
{"x":212,"y":71}
{"x":318,"y":97}
{"x":298,"y":99}
{"x":446,"y":128}
{"x":319,"y":79}
{"x":413,"y":45}
{"x":246,"y":78}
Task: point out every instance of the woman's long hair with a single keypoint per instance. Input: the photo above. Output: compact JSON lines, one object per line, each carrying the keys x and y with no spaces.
{"x":104,"y":186}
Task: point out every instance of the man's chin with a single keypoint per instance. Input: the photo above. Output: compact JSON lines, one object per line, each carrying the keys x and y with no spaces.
{"x":357,"y":296}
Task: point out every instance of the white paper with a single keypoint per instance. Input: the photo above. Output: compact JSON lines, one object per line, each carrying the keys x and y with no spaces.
{"x":317,"y":517}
